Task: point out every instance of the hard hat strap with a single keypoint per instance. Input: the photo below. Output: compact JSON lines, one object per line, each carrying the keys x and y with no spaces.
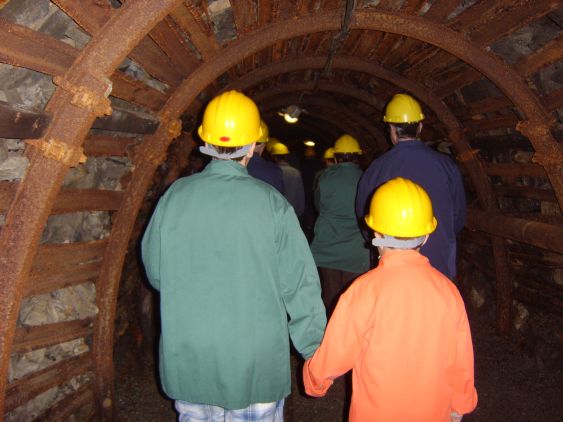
{"x":393,"y":242}
{"x":207,"y":150}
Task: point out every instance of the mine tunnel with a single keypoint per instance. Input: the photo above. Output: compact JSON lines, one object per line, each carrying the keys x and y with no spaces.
{"x":100,"y":101}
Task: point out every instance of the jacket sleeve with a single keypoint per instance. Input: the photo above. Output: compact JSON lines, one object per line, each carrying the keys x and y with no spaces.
{"x":464,"y":397}
{"x":340,"y":349}
{"x":300,"y":285}
{"x":151,"y":248}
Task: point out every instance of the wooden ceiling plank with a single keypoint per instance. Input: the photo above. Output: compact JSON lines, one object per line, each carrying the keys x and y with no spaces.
{"x":512,"y":19}
{"x":265,"y":12}
{"x":500,"y":122}
{"x":136,"y":92}
{"x":24,"y":47}
{"x":30,"y":338}
{"x":462,"y":79}
{"x":553,"y":100}
{"x":167,"y":36}
{"x":487,"y":105}
{"x":541,"y":58}
{"x":108,"y":146}
{"x":129,"y":121}
{"x":479,"y":14}
{"x":23,"y":390}
{"x":244,"y":15}
{"x":514,"y":169}
{"x":20,"y":122}
{"x":198,"y":29}
{"x":77,"y":200}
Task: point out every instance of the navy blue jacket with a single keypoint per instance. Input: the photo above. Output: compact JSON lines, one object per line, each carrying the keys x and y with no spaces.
{"x":266,"y":171}
{"x":439,"y":176}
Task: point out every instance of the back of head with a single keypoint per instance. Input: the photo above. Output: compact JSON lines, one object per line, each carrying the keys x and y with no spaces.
{"x":401,"y":211}
{"x":231,"y":124}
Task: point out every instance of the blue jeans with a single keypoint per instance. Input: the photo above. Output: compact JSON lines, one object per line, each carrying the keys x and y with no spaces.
{"x":257,"y":412}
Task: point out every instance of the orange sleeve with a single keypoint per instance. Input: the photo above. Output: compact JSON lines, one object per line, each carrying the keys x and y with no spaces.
{"x":340,"y":348}
{"x":464,"y":397}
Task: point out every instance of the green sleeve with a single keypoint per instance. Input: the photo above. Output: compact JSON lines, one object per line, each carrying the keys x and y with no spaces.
{"x":300,"y":286}
{"x":151,"y":247}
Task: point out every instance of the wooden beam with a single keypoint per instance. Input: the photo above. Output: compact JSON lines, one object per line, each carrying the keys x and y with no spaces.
{"x":541,"y":58}
{"x":109,"y":146}
{"x":70,"y":404}
{"x":553,"y":100}
{"x":514,"y":169}
{"x":25,"y":389}
{"x":76,"y":200}
{"x":526,"y":192}
{"x":512,"y":18}
{"x":201,"y":34}
{"x":61,"y":265}
{"x":29,"y":338}
{"x":541,"y":235}
{"x":122,"y":120}
{"x":499,"y":122}
{"x":20,"y":122}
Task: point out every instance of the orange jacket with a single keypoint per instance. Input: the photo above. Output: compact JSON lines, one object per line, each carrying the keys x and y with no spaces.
{"x":403,"y":329}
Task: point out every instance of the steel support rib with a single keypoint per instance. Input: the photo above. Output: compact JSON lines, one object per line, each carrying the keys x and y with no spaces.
{"x":37,"y":191}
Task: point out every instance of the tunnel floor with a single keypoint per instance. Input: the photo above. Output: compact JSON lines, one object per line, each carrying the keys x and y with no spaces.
{"x":517,"y":380}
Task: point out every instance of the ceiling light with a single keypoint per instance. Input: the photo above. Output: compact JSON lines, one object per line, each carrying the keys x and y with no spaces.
{"x":309,"y":143}
{"x":291,"y":113}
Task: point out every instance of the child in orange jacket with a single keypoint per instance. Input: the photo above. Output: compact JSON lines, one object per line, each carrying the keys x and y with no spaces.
{"x":401,"y":327}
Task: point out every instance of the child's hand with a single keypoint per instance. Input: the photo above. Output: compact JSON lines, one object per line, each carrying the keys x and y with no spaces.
{"x":456,"y":417}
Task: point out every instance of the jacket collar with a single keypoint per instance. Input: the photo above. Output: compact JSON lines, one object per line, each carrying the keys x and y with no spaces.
{"x":226,"y":167}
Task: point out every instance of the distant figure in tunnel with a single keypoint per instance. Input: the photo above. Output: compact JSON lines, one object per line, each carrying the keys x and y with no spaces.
{"x":434,"y":171}
{"x":262,"y":169}
{"x":338,"y":245}
{"x":402,"y":327}
{"x":236,"y":278}
{"x":292,"y":180}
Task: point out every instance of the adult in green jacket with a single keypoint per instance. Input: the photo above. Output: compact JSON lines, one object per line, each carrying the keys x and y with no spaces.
{"x":338,"y":245}
{"x":229,"y":258}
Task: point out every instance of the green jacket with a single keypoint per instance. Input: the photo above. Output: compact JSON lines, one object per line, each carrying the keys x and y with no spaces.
{"x":229,"y":258}
{"x":338,"y":242}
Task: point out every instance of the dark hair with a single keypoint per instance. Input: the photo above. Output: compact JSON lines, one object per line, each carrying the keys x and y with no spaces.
{"x":228,"y":150}
{"x":406,"y":130}
{"x":346,"y":157}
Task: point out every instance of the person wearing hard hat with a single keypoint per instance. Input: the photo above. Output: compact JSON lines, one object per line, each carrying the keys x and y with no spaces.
{"x":338,"y":245}
{"x":435,"y":172}
{"x":401,"y":328}
{"x":265,"y":170}
{"x":292,"y":180}
{"x":236,"y":278}
{"x":328,"y":157}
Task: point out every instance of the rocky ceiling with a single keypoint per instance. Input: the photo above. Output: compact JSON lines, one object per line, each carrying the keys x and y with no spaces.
{"x":124,"y":78}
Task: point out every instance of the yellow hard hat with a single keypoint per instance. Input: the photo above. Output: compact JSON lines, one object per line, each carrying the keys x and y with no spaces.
{"x":231,"y":120}
{"x":401,"y":208}
{"x":347,"y":144}
{"x":328,"y":154}
{"x":403,"y":109}
{"x":265,"y":133}
{"x":279,"y":149}
{"x":270,"y":144}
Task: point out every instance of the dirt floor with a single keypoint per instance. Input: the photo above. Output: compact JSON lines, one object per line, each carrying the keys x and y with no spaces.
{"x":518,"y":379}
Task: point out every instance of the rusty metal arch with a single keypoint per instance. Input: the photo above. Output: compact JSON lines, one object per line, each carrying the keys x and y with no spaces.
{"x":36,"y":193}
{"x":364,"y":121}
